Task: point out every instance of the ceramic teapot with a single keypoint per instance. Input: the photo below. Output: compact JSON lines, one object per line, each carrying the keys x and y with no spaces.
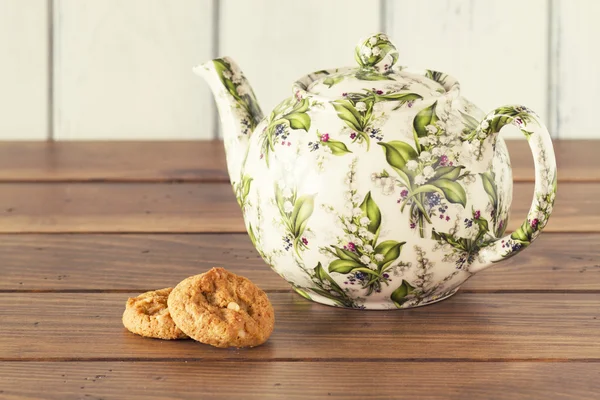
{"x":377,"y":186}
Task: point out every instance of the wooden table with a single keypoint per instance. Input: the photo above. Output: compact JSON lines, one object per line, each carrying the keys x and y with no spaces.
{"x":85,"y":225}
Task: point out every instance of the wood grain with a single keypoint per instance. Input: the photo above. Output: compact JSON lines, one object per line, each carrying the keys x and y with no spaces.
{"x":299,"y":380}
{"x":555,"y":262}
{"x":458,"y":29}
{"x":209,"y":207}
{"x":118,"y":207}
{"x":576,"y":97}
{"x":113,"y":161}
{"x":59,"y":326}
{"x":24,"y":70}
{"x":281,"y":50}
{"x":204,"y":161}
{"x":122,"y":70}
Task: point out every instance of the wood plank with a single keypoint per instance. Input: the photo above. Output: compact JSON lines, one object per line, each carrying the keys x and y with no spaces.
{"x":115,"y":207}
{"x":210,"y":207}
{"x":199,"y":161}
{"x":576,"y":98}
{"x":325,"y":42}
{"x":556,"y":262}
{"x":24,"y":70}
{"x":59,"y":326}
{"x":123,"y":69}
{"x":299,"y":380}
{"x":474,"y":42}
{"x":577,"y":160}
{"x":204,"y":161}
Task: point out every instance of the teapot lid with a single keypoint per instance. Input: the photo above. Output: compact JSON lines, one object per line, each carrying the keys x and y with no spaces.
{"x":378,"y":75}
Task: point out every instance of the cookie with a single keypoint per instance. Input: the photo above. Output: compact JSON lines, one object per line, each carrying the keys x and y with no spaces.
{"x":222,"y":309}
{"x":148,"y":315}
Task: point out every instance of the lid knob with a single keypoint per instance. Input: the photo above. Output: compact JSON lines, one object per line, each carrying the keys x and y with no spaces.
{"x":376,"y":51}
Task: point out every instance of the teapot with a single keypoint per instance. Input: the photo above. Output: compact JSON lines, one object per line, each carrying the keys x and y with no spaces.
{"x":377,"y":186}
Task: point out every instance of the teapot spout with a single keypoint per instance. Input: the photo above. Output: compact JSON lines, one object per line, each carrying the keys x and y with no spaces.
{"x":238,"y":109}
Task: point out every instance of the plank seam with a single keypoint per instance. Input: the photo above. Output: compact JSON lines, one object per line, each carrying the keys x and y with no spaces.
{"x":216,"y":49}
{"x":50,"y":71}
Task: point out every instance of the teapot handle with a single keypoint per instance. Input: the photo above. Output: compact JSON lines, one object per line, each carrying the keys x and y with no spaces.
{"x":540,"y":143}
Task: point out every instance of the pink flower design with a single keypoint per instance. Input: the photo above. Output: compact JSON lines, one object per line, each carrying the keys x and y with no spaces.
{"x":535,"y":223}
{"x":350,"y":246}
{"x":289,"y":144}
{"x":353,"y":135}
{"x":444,"y":160}
{"x":325,"y":137}
{"x":305,"y":241}
{"x":477,"y":214}
{"x":447,"y":218}
{"x":404,"y":193}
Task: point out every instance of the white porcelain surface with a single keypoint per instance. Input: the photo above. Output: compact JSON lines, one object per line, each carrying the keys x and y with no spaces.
{"x":378,"y":186}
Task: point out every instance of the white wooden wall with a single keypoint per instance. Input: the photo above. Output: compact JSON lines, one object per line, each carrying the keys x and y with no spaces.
{"x":121,"y":69}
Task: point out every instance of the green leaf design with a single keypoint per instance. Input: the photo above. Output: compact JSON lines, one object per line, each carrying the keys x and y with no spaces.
{"x":523,"y":234}
{"x":247,"y":102}
{"x":346,"y":254}
{"x":390,"y":249}
{"x":453,"y":191}
{"x":337,"y":148}
{"x":460,"y":243}
{"x":483,"y":226}
{"x":320,"y":273}
{"x":347,"y":113}
{"x":302,"y":293}
{"x":371,"y":210}
{"x":398,"y":153}
{"x":489,"y":184}
{"x":279,"y":200}
{"x":451,"y":173}
{"x":399,"y":295}
{"x":251,"y":234}
{"x":372,"y":75}
{"x":303,"y":209}
{"x":400,"y":96}
{"x":423,"y":118}
{"x":470,"y":122}
{"x":330,"y":81}
{"x":298,"y":120}
{"x":344,"y":266}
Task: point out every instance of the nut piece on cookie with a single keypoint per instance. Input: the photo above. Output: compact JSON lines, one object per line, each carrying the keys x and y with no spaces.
{"x":222,"y":309}
{"x":147,"y":315}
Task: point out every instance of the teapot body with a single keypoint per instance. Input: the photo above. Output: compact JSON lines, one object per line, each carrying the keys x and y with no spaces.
{"x":374,"y":202}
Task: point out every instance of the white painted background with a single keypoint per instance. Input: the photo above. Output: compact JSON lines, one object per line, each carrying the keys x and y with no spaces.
{"x":121,"y":69}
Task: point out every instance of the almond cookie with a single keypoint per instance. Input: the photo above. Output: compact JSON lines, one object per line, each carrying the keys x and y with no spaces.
{"x":148,"y":315}
{"x":222,"y":309}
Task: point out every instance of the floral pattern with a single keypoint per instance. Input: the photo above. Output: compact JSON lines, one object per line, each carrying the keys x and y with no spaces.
{"x":237,"y":86}
{"x":397,"y":225}
{"x":359,"y":254}
{"x":291,"y":114}
{"x":325,"y":286}
{"x":427,"y":173}
{"x":357,"y":110}
{"x":375,"y":52}
{"x":295,"y":212}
